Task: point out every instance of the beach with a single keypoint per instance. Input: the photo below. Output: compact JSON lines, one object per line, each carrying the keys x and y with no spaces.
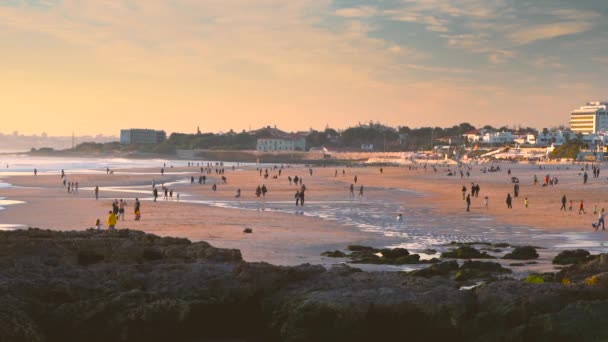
{"x":434,"y":213}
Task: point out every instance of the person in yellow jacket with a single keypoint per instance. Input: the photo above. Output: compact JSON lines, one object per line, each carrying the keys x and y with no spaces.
{"x":111,"y":220}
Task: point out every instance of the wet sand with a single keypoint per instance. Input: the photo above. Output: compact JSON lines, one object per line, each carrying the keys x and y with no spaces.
{"x":282,"y":237}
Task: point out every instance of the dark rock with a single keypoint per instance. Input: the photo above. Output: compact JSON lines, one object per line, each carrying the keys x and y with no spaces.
{"x":501,"y":245}
{"x":429,"y":251}
{"x":484,"y":266}
{"x":248,"y":230}
{"x":466,"y":252}
{"x":440,"y":269}
{"x":571,"y":257}
{"x":597,"y":264}
{"x":55,"y":286}
{"x":470,"y":270}
{"x":522,"y":253}
{"x":358,"y":248}
{"x":334,"y":254}
{"x":394,"y":253}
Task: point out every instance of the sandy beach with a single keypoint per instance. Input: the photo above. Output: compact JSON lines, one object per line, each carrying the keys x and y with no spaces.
{"x":431,"y":202}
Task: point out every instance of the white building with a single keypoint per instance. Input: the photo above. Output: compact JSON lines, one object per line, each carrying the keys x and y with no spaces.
{"x":498,"y":138}
{"x":590,"y":118}
{"x":554,"y":137}
{"x":141,"y":136}
{"x":281,"y":144}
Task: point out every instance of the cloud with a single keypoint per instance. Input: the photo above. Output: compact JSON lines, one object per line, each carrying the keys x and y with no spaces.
{"x":357,"y":12}
{"x":500,"y":56}
{"x":547,"y":62}
{"x":535,"y":33}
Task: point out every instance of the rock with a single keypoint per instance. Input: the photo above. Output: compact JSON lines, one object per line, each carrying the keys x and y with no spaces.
{"x":484,"y":266}
{"x":394,"y":253}
{"x":334,"y":254}
{"x":429,"y":251}
{"x":128,"y":285}
{"x":522,"y":253}
{"x":470,"y":270}
{"x":248,"y":230}
{"x":501,"y":245}
{"x":571,"y":257}
{"x":440,"y":269}
{"x":466,"y":252}
{"x":584,"y":269}
{"x":358,"y":248}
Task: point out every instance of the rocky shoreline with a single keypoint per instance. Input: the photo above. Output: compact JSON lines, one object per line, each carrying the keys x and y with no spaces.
{"x":129,"y":285}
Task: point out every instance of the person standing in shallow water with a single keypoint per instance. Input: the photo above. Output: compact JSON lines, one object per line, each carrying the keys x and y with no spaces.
{"x":96,"y":192}
{"x":509,"y":201}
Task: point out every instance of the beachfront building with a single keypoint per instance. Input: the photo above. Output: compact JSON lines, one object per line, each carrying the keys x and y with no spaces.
{"x":498,"y":138}
{"x":141,"y":136}
{"x":281,"y":144}
{"x":558,"y":137}
{"x":591,"y":118}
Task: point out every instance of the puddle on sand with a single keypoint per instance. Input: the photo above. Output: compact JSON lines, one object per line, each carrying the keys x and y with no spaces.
{"x":7,"y":227}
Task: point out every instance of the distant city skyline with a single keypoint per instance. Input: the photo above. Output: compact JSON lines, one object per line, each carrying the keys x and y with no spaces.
{"x":95,"y":67}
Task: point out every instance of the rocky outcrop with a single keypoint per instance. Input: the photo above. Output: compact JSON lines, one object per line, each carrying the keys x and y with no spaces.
{"x":522,"y":253}
{"x":128,"y":285}
{"x":571,"y":257}
{"x":466,"y":252}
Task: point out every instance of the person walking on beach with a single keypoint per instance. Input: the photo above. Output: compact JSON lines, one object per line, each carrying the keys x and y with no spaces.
{"x":111,"y":220}
{"x":585,"y":177}
{"x":570,"y":205}
{"x":355,"y":179}
{"x":581,"y":207}
{"x":563,"y":207}
{"x":509,"y":206}
{"x":526,"y":202}
{"x":302,"y":196}
{"x":297,"y":197}
{"x":35,"y":172}
{"x":361,"y":191}
{"x":516,"y":190}
{"x":352,"y":190}
{"x":485,"y":201}
{"x":468,"y":199}
{"x":264,"y":190}
{"x":136,"y":209}
{"x":155,"y":194}
{"x":258,"y":191}
{"x":121,"y":209}
{"x":96,"y":192}
{"x":238,"y":193}
{"x":601,"y":220}
{"x":98,"y":224}
{"x":464,"y":192}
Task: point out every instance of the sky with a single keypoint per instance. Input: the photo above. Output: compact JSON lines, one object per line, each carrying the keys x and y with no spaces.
{"x":97,"y":66}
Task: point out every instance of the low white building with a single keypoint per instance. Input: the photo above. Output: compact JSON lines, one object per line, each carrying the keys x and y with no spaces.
{"x":498,"y":138}
{"x":281,"y":144}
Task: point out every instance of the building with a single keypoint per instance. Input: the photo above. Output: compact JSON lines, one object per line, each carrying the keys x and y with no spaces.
{"x":591,"y":118}
{"x":281,"y":144}
{"x":141,"y":136}
{"x":498,"y":138}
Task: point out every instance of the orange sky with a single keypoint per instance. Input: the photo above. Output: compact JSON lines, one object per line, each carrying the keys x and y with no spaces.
{"x":97,"y":67}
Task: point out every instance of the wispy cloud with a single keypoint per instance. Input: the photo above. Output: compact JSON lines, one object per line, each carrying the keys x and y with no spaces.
{"x":357,"y":12}
{"x":534,"y":33}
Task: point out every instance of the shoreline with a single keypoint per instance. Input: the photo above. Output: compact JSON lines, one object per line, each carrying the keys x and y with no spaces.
{"x":282,"y":237}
